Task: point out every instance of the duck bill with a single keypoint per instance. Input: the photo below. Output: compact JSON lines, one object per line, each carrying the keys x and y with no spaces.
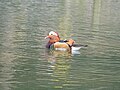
{"x":47,"y":37}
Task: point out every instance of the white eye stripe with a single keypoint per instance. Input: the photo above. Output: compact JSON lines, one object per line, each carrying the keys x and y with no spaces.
{"x":53,"y":33}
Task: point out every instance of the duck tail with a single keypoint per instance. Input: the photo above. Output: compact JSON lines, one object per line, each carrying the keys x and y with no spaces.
{"x":79,"y":45}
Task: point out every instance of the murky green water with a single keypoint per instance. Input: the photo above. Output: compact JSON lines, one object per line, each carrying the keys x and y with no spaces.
{"x":25,"y":64}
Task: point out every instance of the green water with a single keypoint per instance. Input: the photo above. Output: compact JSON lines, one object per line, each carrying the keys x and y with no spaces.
{"x":25,"y":64}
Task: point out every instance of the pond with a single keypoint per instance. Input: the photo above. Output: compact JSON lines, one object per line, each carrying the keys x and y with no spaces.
{"x":25,"y":63}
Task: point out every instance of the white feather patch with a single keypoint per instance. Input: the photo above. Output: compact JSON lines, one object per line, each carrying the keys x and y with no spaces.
{"x":76,"y":48}
{"x":61,"y":49}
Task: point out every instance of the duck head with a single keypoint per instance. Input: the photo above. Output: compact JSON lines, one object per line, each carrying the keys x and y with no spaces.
{"x":53,"y":38}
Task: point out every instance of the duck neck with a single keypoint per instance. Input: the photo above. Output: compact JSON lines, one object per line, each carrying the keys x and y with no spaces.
{"x":48,"y":45}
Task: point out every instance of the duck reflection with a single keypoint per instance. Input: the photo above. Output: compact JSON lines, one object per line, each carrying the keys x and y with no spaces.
{"x":58,"y":68}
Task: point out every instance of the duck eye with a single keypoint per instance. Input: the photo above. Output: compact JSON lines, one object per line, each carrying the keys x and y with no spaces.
{"x":53,"y":33}
{"x":50,"y":34}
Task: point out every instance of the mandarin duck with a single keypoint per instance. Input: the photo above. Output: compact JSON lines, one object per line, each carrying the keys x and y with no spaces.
{"x":57,"y":44}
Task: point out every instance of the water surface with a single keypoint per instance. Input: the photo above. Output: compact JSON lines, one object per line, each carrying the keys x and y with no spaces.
{"x":25,"y":64}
